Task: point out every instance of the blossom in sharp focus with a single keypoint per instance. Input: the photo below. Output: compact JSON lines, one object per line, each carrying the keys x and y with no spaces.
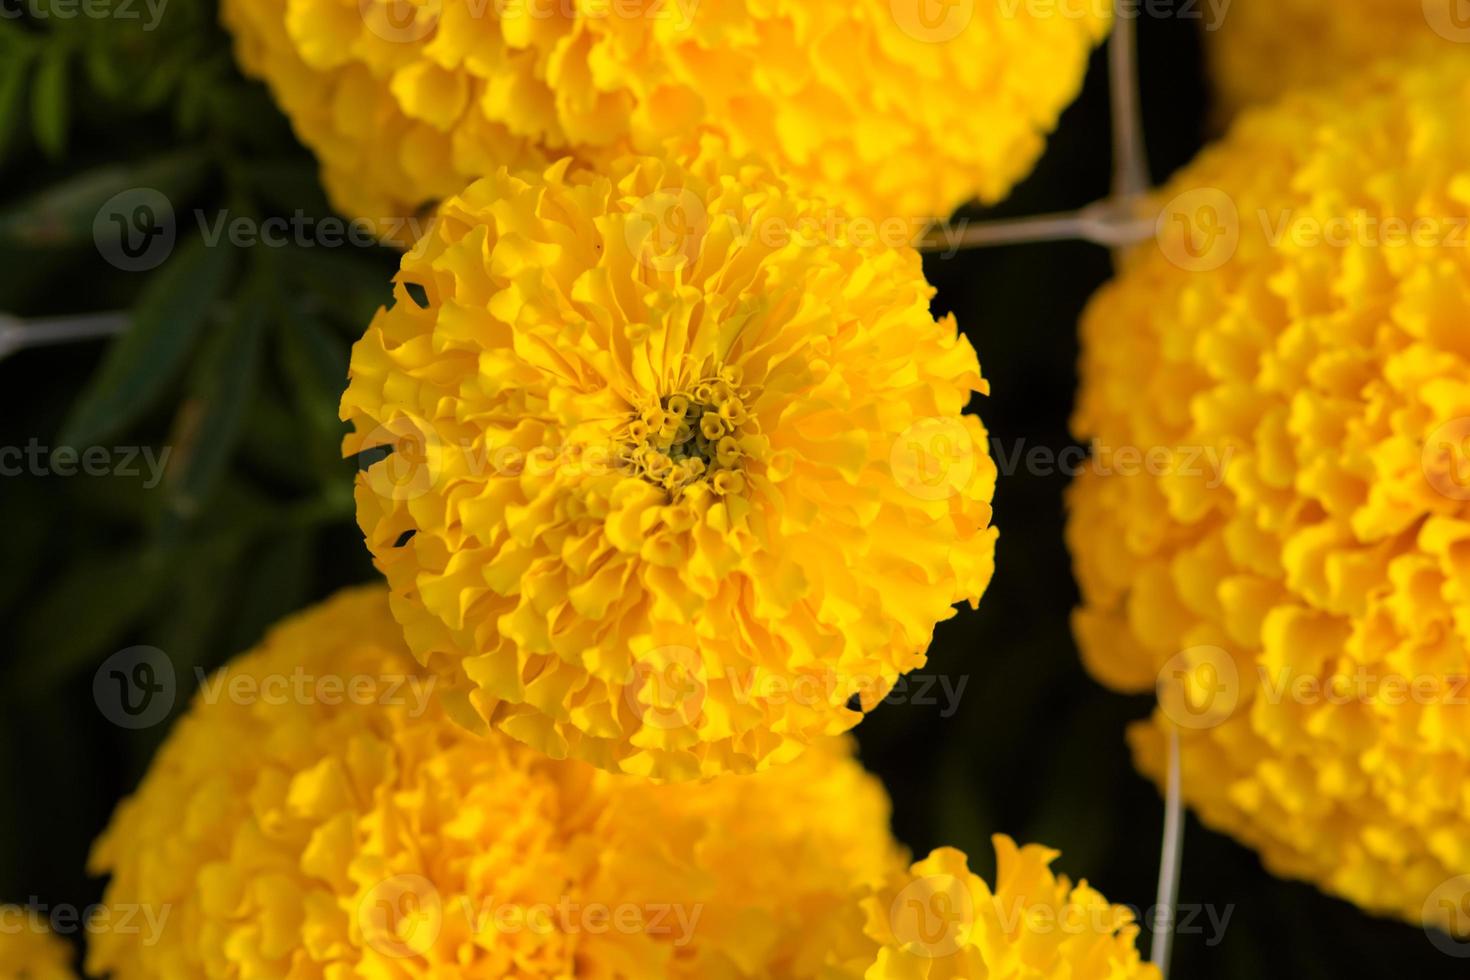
{"x":405,"y":103}
{"x":28,"y":948}
{"x":939,"y":921}
{"x":1293,"y":575}
{"x":679,"y":477}
{"x":1258,"y":50}
{"x":344,"y":827}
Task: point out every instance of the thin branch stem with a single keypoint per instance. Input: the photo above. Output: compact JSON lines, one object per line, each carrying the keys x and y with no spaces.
{"x":1107,"y":222}
{"x":1130,"y":155}
{"x":16,"y":334}
{"x":1171,"y":857}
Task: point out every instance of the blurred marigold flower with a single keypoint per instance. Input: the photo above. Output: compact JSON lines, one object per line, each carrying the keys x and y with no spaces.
{"x":679,"y":477}
{"x":1294,"y":577}
{"x":895,"y":108}
{"x":1256,"y":52}
{"x":939,"y":921}
{"x":363,"y":834}
{"x":28,"y":948}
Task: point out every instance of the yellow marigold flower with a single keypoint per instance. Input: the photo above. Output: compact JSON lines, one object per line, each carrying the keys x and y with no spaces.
{"x":1285,"y":550}
{"x":1259,"y":50}
{"x":903,"y":108}
{"x":315,"y":814}
{"x":679,"y":467}
{"x":939,"y":921}
{"x":29,"y":950}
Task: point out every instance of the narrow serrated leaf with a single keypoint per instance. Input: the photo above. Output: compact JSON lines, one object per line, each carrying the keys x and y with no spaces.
{"x":145,"y":359}
{"x":13,"y":70}
{"x":49,"y":108}
{"x":210,"y":420}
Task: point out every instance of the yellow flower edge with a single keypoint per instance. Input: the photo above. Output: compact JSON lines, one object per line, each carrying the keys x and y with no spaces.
{"x":404,"y":104}
{"x":680,"y":480}
{"x":939,"y":921}
{"x":29,"y":950}
{"x":315,"y":814}
{"x":1255,"y":52}
{"x":1291,"y":572}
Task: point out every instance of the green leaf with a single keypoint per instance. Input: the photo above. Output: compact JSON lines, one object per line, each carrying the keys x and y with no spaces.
{"x":84,"y":615}
{"x":13,"y":69}
{"x":65,"y":213}
{"x":145,"y":359}
{"x":209,"y":421}
{"x":314,"y":364}
{"x":49,"y":109}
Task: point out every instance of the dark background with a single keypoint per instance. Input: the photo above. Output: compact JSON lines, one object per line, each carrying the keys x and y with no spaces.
{"x":255,"y":518}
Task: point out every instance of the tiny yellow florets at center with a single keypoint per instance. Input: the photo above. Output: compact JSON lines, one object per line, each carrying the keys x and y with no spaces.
{"x":692,"y":436}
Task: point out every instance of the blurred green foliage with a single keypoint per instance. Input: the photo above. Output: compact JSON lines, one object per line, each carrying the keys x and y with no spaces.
{"x":234,"y":364}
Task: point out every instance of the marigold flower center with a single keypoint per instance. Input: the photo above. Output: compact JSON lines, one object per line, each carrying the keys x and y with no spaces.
{"x":692,"y":435}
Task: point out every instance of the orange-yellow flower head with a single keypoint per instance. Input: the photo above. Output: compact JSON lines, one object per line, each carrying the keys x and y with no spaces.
{"x":28,"y":948}
{"x":939,"y":921}
{"x":315,"y":815}
{"x":1288,"y":555}
{"x":679,"y":467}
{"x":1261,"y":49}
{"x":892,"y":107}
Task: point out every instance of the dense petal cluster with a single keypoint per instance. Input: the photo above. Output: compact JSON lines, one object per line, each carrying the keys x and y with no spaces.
{"x":939,"y":921}
{"x":29,"y":950}
{"x":344,"y":827}
{"x":1293,"y":572}
{"x":406,"y":102}
{"x":680,"y":479}
{"x":1257,"y":53}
